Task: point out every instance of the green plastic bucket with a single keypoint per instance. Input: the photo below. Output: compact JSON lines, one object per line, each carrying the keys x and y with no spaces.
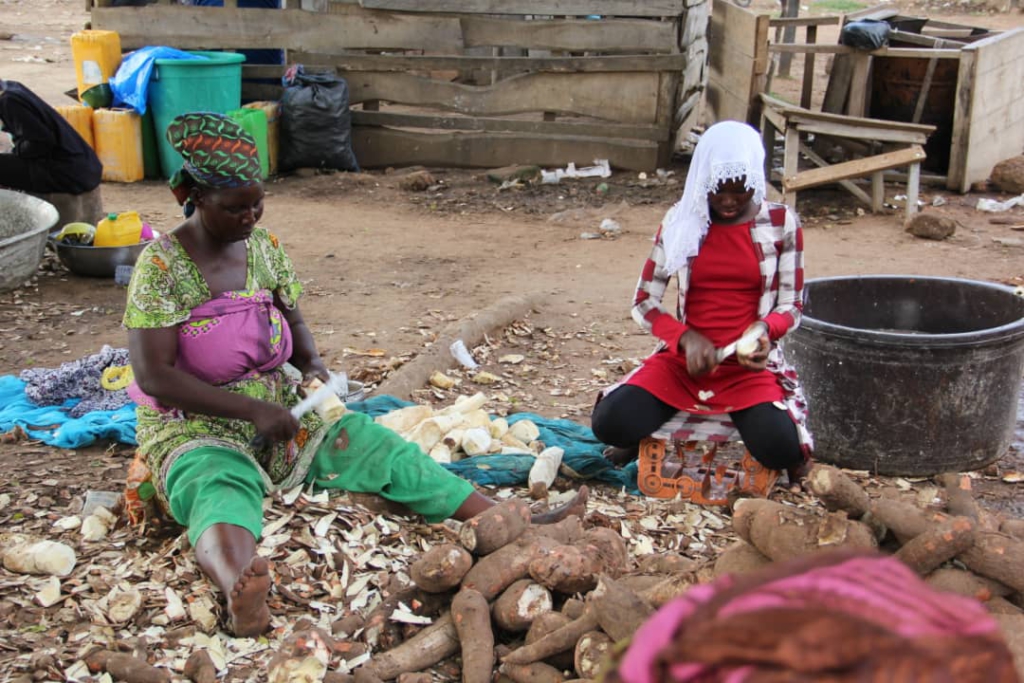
{"x":255,"y":122}
{"x":180,"y":86}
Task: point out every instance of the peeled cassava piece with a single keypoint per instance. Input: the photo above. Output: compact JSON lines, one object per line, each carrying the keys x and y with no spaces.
{"x":524,"y":430}
{"x":331,"y":408}
{"x":29,"y":555}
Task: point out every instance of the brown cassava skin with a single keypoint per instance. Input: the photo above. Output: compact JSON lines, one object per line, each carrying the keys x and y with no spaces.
{"x":561,"y":640}
{"x":472,"y":617}
{"x":638,"y":583}
{"x":838,"y":491}
{"x":740,"y":558}
{"x":441,"y":568}
{"x":199,"y":668}
{"x":1013,"y":527}
{"x":967,"y":583}
{"x":612,"y":554}
{"x":674,"y":586}
{"x":904,"y":520}
{"x":998,"y":557}
{"x":782,"y":532}
{"x":338,"y":677}
{"x":666,"y":563}
{"x":545,"y":624}
{"x":961,"y":503}
{"x":365,"y":675}
{"x":591,"y":654}
{"x":1002,"y":606}
{"x":418,"y":677}
{"x":493,"y":574}
{"x":566,"y":569}
{"x":536,"y":672}
{"x":390,"y":633}
{"x":574,"y":568}
{"x":495,"y":527}
{"x":994,"y":555}
{"x":520,"y":604}
{"x":928,"y":551}
{"x":567,"y":531}
{"x":573,"y":608}
{"x":619,"y":611}
{"x":423,"y":650}
{"x":125,"y":667}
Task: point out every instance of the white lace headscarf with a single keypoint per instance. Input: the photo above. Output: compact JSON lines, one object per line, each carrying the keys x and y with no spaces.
{"x":728,"y":150}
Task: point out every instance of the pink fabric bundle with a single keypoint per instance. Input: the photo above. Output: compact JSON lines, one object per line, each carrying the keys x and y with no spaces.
{"x":835,"y":617}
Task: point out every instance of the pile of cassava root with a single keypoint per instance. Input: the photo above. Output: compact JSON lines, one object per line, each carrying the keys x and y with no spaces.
{"x":538,"y":603}
{"x":516,"y":602}
{"x":962,"y":549}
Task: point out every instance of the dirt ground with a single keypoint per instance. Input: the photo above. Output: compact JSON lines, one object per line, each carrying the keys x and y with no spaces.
{"x":387,"y":269}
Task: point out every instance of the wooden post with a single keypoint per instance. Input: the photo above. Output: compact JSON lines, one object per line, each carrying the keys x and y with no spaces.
{"x":857,"y":103}
{"x":877,"y":192}
{"x":808,"y":86}
{"x":791,"y":164}
{"x":926,"y":86}
{"x":913,"y":184}
{"x":790,"y":8}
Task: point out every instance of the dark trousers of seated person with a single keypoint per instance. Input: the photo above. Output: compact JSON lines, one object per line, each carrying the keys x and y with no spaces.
{"x":629,"y":414}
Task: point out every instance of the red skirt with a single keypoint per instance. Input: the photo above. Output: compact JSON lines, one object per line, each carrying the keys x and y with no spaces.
{"x":729,"y":387}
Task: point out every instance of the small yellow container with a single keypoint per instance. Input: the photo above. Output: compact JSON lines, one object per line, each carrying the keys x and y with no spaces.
{"x":118,"y":137}
{"x":118,"y":230}
{"x":80,"y":118}
{"x":97,"y":55}
{"x":273,"y":110}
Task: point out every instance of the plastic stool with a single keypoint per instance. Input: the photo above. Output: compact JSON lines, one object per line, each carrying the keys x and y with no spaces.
{"x":705,"y":476}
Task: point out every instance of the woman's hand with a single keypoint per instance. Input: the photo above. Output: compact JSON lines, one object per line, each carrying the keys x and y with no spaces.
{"x":699,"y":351}
{"x":274,"y":422}
{"x":756,"y":360}
{"x":315,"y":368}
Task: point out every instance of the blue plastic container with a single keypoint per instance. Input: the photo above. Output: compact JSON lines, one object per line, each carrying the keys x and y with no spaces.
{"x":180,"y":86}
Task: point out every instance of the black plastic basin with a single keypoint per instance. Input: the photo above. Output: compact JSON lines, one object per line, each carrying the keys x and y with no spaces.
{"x":910,"y":375}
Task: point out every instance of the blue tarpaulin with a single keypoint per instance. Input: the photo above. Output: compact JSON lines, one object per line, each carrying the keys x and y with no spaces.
{"x":52,"y":425}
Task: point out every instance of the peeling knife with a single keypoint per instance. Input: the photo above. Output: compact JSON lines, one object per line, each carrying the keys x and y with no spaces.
{"x":335,"y":384}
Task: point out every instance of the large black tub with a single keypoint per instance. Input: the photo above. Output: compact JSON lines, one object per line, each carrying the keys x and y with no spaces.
{"x":910,"y":375}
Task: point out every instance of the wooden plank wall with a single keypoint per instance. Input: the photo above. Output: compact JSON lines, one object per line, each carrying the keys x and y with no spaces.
{"x":737,"y":63}
{"x":988,"y":123}
{"x":571,"y":87}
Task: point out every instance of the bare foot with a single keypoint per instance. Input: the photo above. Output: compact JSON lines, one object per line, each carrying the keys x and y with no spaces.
{"x":577,"y":506}
{"x":247,"y":602}
{"x":796,"y":475}
{"x":620,"y":457}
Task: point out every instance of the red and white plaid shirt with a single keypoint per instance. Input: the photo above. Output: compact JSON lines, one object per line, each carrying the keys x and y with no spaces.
{"x":778,"y":244}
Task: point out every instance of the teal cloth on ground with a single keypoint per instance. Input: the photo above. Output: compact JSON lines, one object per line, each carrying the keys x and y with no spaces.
{"x":583,"y":452}
{"x":53,"y":426}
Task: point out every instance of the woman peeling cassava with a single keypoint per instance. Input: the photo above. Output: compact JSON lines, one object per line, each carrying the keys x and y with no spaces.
{"x":739,"y":263}
{"x":213,"y":316}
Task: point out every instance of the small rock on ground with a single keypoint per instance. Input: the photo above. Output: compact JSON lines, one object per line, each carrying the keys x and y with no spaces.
{"x":1008,"y":175}
{"x":931,"y":227}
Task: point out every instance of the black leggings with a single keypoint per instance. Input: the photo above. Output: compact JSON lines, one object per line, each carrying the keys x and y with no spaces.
{"x":629,"y":414}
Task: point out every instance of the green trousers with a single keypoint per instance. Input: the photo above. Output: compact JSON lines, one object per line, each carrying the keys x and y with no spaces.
{"x":215,"y":485}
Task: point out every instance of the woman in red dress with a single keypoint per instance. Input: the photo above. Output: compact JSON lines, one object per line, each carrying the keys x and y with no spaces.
{"x":738,"y":260}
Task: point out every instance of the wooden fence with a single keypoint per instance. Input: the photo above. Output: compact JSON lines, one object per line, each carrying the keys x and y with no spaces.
{"x":477,"y":83}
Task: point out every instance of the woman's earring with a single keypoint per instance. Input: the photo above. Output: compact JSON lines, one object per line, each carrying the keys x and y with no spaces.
{"x":188,"y":208}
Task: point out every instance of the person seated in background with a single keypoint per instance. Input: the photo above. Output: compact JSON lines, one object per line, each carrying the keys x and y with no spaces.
{"x":49,"y":156}
{"x":213,"y":316}
{"x":738,"y":260}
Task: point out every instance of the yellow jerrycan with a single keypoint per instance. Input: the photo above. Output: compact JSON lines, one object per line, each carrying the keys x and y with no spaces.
{"x":118,"y":230}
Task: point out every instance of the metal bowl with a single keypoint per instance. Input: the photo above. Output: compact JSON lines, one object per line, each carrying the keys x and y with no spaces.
{"x":24,"y":223}
{"x":92,"y":261}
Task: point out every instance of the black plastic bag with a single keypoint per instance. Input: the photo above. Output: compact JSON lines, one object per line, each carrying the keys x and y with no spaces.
{"x":865,"y":34}
{"x":316,"y":124}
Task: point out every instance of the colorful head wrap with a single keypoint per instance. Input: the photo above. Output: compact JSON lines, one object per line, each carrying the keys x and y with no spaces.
{"x":218,"y":153}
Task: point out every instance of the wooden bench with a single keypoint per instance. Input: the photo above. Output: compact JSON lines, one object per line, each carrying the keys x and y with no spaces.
{"x":901,"y":147}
